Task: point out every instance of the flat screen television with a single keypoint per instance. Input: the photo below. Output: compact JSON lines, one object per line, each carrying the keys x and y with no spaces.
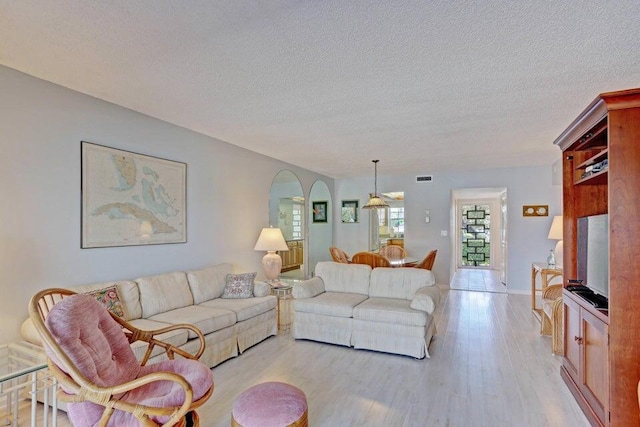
{"x":593,"y":253}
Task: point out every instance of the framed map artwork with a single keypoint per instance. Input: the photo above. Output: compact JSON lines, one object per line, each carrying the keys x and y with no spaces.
{"x":131,"y":199}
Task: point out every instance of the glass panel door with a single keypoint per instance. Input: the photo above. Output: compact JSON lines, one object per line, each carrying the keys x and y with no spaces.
{"x":476,"y":235}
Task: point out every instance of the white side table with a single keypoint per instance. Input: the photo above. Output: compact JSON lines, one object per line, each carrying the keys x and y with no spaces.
{"x":23,"y":367}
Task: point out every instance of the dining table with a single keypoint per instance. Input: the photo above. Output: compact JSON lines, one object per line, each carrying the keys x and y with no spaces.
{"x":403,"y":262}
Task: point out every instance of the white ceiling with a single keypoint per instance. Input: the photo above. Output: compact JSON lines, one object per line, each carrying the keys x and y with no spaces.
{"x":424,"y":86}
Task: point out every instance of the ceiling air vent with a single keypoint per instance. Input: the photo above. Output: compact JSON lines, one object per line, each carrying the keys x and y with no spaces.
{"x":424,"y":178}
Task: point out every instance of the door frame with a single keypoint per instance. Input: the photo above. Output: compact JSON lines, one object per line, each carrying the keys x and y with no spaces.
{"x":497,"y":199}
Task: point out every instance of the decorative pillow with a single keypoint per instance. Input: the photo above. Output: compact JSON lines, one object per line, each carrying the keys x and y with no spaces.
{"x":239,"y":286}
{"x":110,"y":299}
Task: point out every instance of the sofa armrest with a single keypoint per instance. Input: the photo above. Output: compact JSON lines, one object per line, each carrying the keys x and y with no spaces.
{"x":261,"y":289}
{"x":426,"y":299}
{"x":308,"y":288}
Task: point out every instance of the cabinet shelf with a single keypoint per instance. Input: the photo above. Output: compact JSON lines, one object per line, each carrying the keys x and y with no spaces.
{"x":603,"y":154}
{"x":597,"y":178}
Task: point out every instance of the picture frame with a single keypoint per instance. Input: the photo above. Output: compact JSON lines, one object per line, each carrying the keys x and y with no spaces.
{"x":131,"y":199}
{"x":535,"y":210}
{"x":319,"y":211}
{"x":349,"y":211}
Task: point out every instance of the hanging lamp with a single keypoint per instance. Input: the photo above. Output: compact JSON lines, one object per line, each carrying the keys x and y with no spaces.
{"x":375,"y":202}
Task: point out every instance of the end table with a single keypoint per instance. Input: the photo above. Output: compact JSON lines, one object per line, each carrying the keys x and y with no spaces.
{"x":547,"y":273}
{"x":284,"y":294}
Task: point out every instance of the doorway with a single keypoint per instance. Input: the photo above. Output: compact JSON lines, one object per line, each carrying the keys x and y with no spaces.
{"x":479,"y":239}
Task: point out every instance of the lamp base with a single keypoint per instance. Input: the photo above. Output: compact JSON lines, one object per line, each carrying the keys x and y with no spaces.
{"x":559,"y":253}
{"x":272,"y":264}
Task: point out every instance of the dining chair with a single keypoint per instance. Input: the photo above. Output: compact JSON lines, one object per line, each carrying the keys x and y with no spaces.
{"x":393,"y":252}
{"x":339,"y":255}
{"x":428,"y":261}
{"x":370,"y":258}
{"x":101,"y":380}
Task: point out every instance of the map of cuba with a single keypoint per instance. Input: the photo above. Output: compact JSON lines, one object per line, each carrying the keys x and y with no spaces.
{"x":135,"y":199}
{"x":153,"y":197}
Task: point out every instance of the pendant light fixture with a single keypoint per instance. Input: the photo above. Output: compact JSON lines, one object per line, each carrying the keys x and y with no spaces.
{"x":375,"y":202}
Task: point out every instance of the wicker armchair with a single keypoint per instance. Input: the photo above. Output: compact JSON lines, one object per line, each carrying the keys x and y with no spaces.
{"x":393,"y":252}
{"x":370,"y":258}
{"x":99,"y":375}
{"x":339,"y":255}
{"x":552,"y":317}
{"x":428,"y":261}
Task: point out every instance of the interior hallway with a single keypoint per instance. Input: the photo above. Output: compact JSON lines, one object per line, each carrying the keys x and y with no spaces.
{"x":477,"y":279}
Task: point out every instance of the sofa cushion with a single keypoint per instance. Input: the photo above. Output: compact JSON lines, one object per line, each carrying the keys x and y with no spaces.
{"x":164,"y":292}
{"x":350,"y":278}
{"x":176,"y":338}
{"x":338,"y":304}
{"x":390,"y":310}
{"x":239,"y":286}
{"x":399,"y":283}
{"x":208,"y":283}
{"x":127,"y":291}
{"x":207,"y":319}
{"x":244,"y":308}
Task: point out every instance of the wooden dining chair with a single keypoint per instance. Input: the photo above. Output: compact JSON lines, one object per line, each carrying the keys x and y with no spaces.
{"x":339,"y":255}
{"x":428,"y":261}
{"x":393,"y":252}
{"x":370,"y":258}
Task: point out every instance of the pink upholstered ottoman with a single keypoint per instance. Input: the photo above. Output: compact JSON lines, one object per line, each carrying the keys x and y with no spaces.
{"x":270,"y":404}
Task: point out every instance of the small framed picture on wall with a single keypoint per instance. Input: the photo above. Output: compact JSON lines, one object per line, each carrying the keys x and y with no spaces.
{"x":349,"y":210}
{"x":319,"y":211}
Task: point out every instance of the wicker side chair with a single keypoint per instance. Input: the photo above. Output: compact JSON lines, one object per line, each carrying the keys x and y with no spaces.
{"x":428,"y":261}
{"x":101,"y":380}
{"x":370,"y":258}
{"x":339,"y":255}
{"x":393,"y":252}
{"x":552,"y":317}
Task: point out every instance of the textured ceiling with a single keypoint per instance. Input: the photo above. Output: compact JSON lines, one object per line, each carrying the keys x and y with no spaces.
{"x":424,"y":86}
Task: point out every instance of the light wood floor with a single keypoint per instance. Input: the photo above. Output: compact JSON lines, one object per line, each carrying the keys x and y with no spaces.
{"x":477,"y":279}
{"x":488,"y":367}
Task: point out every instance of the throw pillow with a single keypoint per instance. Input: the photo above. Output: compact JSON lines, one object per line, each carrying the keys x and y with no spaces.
{"x":239,"y":286}
{"x":110,"y":299}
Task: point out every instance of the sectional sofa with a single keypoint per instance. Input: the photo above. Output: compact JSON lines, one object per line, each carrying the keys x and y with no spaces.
{"x":384,"y":309}
{"x":230,"y":326}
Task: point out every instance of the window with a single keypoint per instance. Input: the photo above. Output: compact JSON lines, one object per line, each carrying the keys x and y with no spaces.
{"x":297,"y":221}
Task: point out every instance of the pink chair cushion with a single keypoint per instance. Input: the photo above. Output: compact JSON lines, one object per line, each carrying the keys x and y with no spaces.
{"x":271,"y":404}
{"x":98,"y":347}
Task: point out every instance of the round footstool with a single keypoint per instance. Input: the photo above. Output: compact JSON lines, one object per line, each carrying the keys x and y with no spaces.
{"x":270,"y":405}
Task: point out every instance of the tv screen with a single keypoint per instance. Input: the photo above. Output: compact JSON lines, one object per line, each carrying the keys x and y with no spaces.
{"x":593,"y":252}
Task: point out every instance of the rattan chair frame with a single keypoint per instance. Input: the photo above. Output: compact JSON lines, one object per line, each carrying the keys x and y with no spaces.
{"x":370,"y":258}
{"x":428,"y":261}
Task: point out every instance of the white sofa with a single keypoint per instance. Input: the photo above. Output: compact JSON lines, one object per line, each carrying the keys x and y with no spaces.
{"x":230,"y":326}
{"x":384,"y":309}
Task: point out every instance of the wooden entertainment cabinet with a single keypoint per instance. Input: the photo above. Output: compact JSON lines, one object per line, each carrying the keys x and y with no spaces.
{"x":601,"y":365}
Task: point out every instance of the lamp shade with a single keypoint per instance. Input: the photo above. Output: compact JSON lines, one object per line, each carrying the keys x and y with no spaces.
{"x":271,"y":239}
{"x":555,"y":232}
{"x":375,"y":202}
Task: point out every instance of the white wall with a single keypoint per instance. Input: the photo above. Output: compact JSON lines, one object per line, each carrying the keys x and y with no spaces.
{"x":527,"y":237}
{"x":41,"y":126}
{"x":320,"y":233}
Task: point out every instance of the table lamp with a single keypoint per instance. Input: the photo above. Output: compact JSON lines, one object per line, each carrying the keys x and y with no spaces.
{"x":271,"y":240}
{"x":555,"y":233}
